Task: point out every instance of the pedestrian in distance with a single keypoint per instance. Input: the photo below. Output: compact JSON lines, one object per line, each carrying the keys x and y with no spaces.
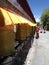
{"x":37,"y":32}
{"x":44,"y":29}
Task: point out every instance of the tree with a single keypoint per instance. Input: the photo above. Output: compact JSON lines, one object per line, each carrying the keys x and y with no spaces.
{"x":45,"y":18}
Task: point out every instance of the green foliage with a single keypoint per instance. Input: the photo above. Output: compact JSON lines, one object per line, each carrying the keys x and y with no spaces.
{"x":38,"y":24}
{"x":45,"y":17}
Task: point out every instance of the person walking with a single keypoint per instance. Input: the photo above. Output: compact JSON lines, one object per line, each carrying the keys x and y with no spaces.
{"x":37,"y":32}
{"x":44,"y":29}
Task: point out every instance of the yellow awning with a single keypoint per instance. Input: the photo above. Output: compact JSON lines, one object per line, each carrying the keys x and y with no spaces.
{"x":11,"y":19}
{"x":4,"y":17}
{"x":24,"y":20}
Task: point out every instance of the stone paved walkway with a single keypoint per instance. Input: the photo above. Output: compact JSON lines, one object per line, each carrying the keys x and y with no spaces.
{"x":39,"y":52}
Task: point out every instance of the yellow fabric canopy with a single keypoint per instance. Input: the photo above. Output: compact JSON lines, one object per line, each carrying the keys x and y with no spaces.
{"x":24,"y":20}
{"x":11,"y":19}
{"x":4,"y":17}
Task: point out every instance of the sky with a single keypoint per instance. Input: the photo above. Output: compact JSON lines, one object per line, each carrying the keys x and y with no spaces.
{"x":37,"y":6}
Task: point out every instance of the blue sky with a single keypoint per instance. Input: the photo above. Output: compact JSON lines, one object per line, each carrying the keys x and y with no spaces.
{"x":37,"y":6}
